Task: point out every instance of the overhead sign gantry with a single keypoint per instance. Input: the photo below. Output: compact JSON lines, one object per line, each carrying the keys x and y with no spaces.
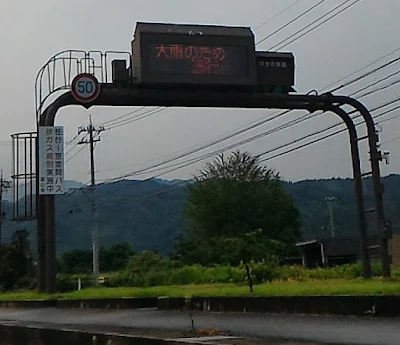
{"x":196,"y":66}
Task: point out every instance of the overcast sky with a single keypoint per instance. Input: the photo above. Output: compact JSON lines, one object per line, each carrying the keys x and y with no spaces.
{"x":32,"y":31}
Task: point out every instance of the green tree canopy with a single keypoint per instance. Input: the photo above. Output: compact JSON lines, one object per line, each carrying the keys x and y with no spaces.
{"x":16,"y":265}
{"x":238,"y":210}
{"x":111,"y":259}
{"x":116,"y":257}
{"x":76,"y":261}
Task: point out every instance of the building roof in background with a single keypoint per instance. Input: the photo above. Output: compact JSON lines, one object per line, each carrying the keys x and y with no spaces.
{"x":348,"y":246}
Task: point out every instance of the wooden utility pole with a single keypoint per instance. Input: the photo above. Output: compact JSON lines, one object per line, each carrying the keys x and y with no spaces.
{"x":94,"y":136}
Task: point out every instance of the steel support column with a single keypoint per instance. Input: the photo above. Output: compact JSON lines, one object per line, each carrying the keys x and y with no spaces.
{"x":41,"y":268}
{"x":357,"y":179}
{"x":375,"y":158}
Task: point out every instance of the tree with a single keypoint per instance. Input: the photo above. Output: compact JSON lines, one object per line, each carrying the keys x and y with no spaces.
{"x":77,"y":261}
{"x":238,"y":210}
{"x":16,"y":264}
{"x":112,"y":258}
{"x":116,"y":257}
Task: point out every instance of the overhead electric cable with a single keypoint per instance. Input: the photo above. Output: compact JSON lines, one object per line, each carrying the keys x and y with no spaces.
{"x":291,"y":22}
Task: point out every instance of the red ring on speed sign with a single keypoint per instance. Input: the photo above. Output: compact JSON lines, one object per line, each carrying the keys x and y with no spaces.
{"x":85,"y":88}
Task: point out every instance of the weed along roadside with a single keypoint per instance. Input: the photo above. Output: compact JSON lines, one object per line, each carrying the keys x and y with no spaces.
{"x":340,"y":297}
{"x":294,"y":289}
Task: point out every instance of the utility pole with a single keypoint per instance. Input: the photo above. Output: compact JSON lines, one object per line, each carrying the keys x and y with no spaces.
{"x":330,"y":200}
{"x":4,"y":186}
{"x":94,"y":136}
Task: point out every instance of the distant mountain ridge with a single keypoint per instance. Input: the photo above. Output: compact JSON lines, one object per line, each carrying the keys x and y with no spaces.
{"x":69,"y":184}
{"x":150,"y":214}
{"x":169,"y":182}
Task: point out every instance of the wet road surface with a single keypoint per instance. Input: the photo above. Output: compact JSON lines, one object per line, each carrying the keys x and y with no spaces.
{"x":315,"y":329}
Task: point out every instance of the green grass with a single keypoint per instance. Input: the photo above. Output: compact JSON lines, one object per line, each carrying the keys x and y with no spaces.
{"x":24,"y":295}
{"x":295,"y":288}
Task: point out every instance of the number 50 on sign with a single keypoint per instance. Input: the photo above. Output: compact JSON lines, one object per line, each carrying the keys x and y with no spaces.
{"x":85,"y":88}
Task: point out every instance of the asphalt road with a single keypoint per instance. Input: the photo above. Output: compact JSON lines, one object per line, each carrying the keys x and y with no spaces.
{"x":316,"y":329}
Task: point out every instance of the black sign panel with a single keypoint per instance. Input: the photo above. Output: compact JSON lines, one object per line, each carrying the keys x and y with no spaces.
{"x":175,"y":54}
{"x":198,"y":60}
{"x":275,"y":69}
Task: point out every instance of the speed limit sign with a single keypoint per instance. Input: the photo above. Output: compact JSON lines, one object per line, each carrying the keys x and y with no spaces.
{"x":85,"y":88}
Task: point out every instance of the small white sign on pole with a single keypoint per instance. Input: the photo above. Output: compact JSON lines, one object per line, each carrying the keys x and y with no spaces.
{"x":51,"y":160}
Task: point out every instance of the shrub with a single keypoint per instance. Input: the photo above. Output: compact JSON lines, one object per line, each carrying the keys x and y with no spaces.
{"x":118,"y":279}
{"x":223,"y":274}
{"x":187,"y":275}
{"x":263,"y":272}
{"x":152,"y":270}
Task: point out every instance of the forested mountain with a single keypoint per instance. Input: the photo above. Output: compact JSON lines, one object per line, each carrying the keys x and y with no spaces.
{"x":149,"y":215}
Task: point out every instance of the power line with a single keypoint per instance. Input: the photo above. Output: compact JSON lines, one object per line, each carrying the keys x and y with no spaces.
{"x":72,"y":148}
{"x":282,"y":146}
{"x":381,"y":88}
{"x":331,"y":127}
{"x":178,"y":166}
{"x":137,"y":118}
{"x":281,"y":127}
{"x":377,"y":82}
{"x":277,"y":15}
{"x":302,"y":146}
{"x":370,"y":72}
{"x":310,"y":24}
{"x":257,"y":123}
{"x":320,"y":24}
{"x":390,"y":118}
{"x":74,"y":155}
{"x":240,"y":143}
{"x":145,"y":195}
{"x":71,"y":141}
{"x":194,"y":150}
{"x":106,"y":123}
{"x":148,"y":195}
{"x":114,"y":125}
{"x":361,"y":69}
{"x":322,"y":138}
{"x":183,"y":164}
{"x":320,"y":131}
{"x":291,"y":22}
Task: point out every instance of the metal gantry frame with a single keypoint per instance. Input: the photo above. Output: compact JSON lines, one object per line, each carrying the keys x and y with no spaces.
{"x":57,"y":73}
{"x":23,"y":175}
{"x":132,"y":95}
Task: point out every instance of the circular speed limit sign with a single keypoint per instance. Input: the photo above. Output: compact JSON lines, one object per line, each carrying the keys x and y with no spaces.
{"x":85,"y":88}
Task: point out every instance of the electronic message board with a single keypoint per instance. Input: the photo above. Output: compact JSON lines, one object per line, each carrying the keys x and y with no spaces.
{"x":198,"y":60}
{"x":193,"y":54}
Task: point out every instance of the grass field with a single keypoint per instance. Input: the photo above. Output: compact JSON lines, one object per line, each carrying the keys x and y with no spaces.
{"x":317,"y":287}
